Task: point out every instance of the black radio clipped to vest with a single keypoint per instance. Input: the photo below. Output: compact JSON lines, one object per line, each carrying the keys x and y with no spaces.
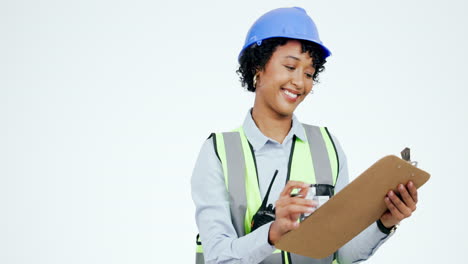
{"x":265,"y":214}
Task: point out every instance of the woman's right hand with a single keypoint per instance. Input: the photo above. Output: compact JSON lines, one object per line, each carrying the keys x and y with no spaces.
{"x":288,"y":210}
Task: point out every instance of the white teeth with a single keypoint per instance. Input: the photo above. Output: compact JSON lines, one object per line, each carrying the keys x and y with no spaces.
{"x":288,"y":93}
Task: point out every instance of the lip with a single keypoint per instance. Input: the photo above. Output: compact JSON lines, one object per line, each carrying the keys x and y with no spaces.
{"x":288,"y":98}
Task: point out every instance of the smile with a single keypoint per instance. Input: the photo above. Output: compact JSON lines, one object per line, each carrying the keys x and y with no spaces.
{"x":289,"y":94}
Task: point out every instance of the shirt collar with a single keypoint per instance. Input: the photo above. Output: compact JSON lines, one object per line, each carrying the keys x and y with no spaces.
{"x":258,"y":139}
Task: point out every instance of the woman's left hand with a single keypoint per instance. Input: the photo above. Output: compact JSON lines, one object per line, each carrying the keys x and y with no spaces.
{"x":399,"y":209}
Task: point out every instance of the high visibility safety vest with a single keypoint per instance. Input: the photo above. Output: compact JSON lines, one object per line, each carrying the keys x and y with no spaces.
{"x":314,"y":161}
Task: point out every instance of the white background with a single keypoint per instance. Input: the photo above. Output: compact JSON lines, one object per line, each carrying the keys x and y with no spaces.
{"x":105,"y":104}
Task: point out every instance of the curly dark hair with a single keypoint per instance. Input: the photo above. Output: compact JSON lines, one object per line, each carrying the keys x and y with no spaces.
{"x":255,"y":57}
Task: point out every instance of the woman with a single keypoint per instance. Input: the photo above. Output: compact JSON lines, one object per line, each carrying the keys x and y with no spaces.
{"x":238,"y":173}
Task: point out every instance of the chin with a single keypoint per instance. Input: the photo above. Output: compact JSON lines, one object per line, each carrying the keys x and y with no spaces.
{"x":285,"y":111}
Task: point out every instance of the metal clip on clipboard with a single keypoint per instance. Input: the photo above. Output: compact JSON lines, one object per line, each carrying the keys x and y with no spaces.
{"x":406,"y":155}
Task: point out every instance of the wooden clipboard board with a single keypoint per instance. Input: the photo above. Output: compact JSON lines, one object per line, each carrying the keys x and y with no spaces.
{"x":352,"y":210}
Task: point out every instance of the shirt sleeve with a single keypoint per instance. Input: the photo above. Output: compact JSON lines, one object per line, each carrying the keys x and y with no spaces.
{"x":365,"y":244}
{"x":218,"y":236}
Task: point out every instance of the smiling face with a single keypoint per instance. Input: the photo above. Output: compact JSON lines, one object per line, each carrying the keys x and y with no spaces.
{"x":285,"y":81}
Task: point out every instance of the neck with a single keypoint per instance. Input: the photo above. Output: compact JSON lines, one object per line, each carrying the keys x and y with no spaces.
{"x":273,"y":126}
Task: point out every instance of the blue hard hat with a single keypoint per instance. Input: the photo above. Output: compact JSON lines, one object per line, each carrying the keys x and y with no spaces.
{"x":290,"y":22}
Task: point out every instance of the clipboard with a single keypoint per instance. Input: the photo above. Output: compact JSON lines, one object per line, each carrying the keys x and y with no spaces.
{"x":351,"y":210}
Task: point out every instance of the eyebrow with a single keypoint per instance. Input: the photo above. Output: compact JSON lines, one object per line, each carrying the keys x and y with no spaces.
{"x":296,"y":58}
{"x":292,"y":57}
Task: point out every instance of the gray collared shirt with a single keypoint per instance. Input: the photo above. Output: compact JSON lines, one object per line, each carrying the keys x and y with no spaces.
{"x":218,"y":236}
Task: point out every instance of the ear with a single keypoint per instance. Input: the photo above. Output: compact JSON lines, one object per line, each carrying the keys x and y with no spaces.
{"x":256,"y":77}
{"x":255,"y":80}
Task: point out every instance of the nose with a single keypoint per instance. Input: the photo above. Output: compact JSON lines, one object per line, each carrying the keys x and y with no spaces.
{"x":298,"y":80}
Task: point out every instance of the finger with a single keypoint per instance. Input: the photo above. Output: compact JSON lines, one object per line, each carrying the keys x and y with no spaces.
{"x":413,"y":191}
{"x":292,"y":208}
{"x":303,"y":201}
{"x":400,"y":205}
{"x":291,"y":185}
{"x":393,"y":210}
{"x":295,"y":225}
{"x":284,"y":225}
{"x":407,"y":199}
{"x":285,"y":201}
{"x":291,"y":214}
{"x":295,"y":209}
{"x":304,"y":190}
{"x":292,"y":224}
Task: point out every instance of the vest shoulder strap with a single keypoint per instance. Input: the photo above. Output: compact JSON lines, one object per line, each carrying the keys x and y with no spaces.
{"x":324,"y":154}
{"x":230,"y":151}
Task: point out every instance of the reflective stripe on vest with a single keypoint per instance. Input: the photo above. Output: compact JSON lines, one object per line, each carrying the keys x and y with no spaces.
{"x":314,"y":161}
{"x":199,"y":258}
